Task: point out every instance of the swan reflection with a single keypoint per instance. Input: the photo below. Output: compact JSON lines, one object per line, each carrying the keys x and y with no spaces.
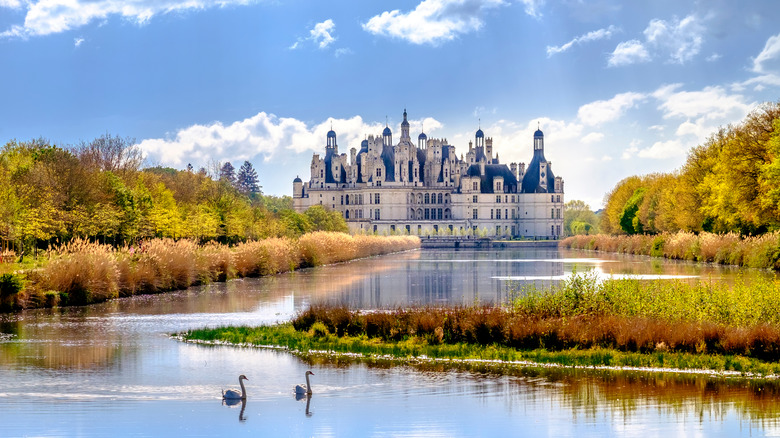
{"x":299,"y":397}
{"x":233,"y":402}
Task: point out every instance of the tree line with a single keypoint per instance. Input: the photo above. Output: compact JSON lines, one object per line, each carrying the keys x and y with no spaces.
{"x":99,"y":191}
{"x":730,"y":183}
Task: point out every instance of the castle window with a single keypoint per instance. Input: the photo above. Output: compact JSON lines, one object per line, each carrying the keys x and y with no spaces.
{"x":439,"y":213}
{"x":474,"y":185}
{"x":552,"y":213}
{"x":346,"y":214}
{"x":498,"y":213}
{"x":552,"y":198}
{"x":440,"y":198}
{"x":408,"y":229}
{"x":427,"y":198}
{"x":342,"y":200}
{"x":376,"y":198}
{"x":427,"y":214}
{"x":513,"y":216}
{"x":475,"y":199}
{"x":498,"y":230}
{"x":557,"y":213}
{"x":322,"y":173}
{"x":513,"y":198}
{"x":376,"y":214}
{"x":491,"y":213}
{"x":347,"y":199}
{"x":552,"y":229}
{"x":378,"y":171}
{"x":474,"y":214}
{"x":506,"y":213}
{"x":557,"y":198}
{"x":498,"y":199}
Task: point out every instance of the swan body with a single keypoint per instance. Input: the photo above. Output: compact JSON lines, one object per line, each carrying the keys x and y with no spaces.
{"x":232,"y":394}
{"x":300,"y":389}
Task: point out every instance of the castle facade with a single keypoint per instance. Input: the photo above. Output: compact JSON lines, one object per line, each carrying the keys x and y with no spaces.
{"x":425,"y":189}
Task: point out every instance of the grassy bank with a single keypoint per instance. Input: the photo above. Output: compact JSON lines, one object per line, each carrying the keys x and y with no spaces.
{"x":578,"y":322}
{"x":731,"y":249}
{"x":417,"y":348}
{"x":82,"y":272}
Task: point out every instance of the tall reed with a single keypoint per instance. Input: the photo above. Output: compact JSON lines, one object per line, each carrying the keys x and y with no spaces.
{"x":752,"y":251}
{"x":83,"y":272}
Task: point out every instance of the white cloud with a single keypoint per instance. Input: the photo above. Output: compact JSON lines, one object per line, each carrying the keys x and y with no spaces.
{"x":682,"y":39}
{"x":606,"y":158}
{"x":632,"y":149}
{"x":434,"y":21}
{"x":343,"y":51}
{"x":78,"y":41}
{"x":593,"y":137}
{"x":46,"y":17}
{"x":600,"y":111}
{"x":714,"y":57}
{"x":590,"y":36}
{"x":711,"y":103}
{"x":532,"y":7}
{"x":628,"y":52}
{"x":768,"y":61}
{"x":261,"y":136}
{"x":322,"y":33}
{"x":12,"y":4}
{"x":767,"y":65}
{"x":664,"y":149}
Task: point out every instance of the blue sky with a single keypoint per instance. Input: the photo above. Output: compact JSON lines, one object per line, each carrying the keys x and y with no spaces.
{"x":619,"y":88}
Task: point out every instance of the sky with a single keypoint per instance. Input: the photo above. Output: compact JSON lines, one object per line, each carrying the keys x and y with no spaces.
{"x":619,"y":88}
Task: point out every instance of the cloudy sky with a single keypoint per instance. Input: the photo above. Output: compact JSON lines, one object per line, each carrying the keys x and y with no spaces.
{"x":618,"y":88}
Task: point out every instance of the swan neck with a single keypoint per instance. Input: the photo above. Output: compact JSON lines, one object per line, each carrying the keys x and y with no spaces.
{"x":243,"y":390}
{"x":308,"y":385}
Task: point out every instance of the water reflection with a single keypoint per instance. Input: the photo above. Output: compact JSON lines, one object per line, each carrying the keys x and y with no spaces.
{"x":233,"y":402}
{"x":63,"y":364}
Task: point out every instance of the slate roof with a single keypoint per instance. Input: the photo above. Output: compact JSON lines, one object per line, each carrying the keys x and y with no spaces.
{"x":492,"y":171}
{"x":530,"y":182}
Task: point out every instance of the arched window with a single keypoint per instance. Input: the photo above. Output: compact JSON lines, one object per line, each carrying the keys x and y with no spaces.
{"x":411,"y":213}
{"x":447,"y":213}
{"x":419,"y":214}
{"x":427,"y":198}
{"x":440,"y":198}
{"x":346,"y":214}
{"x":446,"y":198}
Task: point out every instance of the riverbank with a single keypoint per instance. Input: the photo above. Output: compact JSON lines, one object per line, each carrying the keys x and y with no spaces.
{"x":580,"y":322}
{"x":727,"y":249}
{"x":416,"y":350}
{"x":82,"y":272}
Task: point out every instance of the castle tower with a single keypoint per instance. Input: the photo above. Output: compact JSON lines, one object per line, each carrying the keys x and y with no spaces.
{"x":331,"y":144}
{"x":405,"y":128}
{"x":387,"y":136}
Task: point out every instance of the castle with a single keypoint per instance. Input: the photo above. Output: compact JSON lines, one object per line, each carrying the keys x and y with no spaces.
{"x":425,"y":189}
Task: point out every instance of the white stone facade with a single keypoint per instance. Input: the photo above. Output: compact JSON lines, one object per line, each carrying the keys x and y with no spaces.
{"x":425,"y":189}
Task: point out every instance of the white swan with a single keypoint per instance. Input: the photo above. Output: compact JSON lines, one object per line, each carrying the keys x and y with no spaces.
{"x":307,"y":389}
{"x":232,"y":394}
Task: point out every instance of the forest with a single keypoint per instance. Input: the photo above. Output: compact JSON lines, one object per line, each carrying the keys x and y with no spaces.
{"x":98,"y":190}
{"x":728,"y":184}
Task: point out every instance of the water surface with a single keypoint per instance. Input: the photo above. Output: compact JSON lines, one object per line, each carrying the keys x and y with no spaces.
{"x":111,"y":369}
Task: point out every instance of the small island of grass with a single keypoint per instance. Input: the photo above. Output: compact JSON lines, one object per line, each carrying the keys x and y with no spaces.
{"x":670,"y":326}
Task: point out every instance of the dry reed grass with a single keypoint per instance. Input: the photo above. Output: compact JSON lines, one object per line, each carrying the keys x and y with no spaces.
{"x":83,"y":272}
{"x":516,"y":329}
{"x":753,"y":251}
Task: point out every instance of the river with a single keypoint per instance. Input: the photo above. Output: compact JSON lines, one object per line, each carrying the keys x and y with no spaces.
{"x":113,"y":370}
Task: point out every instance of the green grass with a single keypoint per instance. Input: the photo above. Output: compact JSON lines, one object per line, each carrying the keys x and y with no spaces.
{"x":416,"y":348}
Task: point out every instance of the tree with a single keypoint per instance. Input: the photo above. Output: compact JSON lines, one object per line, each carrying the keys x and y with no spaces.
{"x":109,"y":153}
{"x":228,"y":173}
{"x":246,"y":181}
{"x":578,"y":218}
